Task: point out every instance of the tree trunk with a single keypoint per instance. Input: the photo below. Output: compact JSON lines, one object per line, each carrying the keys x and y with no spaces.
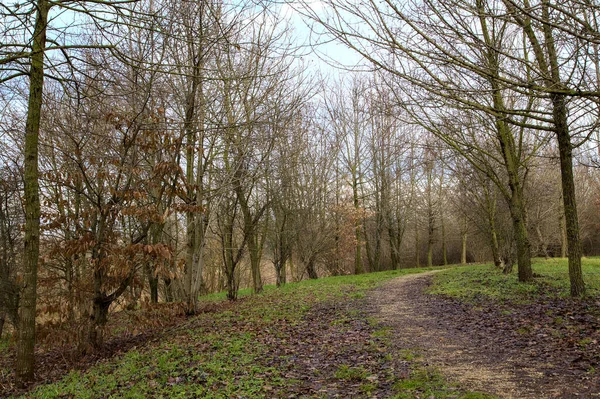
{"x":191,"y":299}
{"x":69,"y":276}
{"x":9,"y":291}
{"x":97,"y":323}
{"x":152,"y":279}
{"x":394,"y":251}
{"x":430,"y":241}
{"x":563,"y":233}
{"x":442,"y":224}
{"x":283,"y":274}
{"x":25,"y":361}
{"x":310,"y":269}
{"x":378,"y":233}
{"x":358,"y":267}
{"x":548,"y":62}
{"x":232,"y":291}
{"x":511,"y":156}
{"x":396,"y":235}
{"x":444,"y":249}
{"x":516,"y":203}
{"x":281,"y":251}
{"x":231,"y":280}
{"x":542,"y":241}
{"x":229,"y":259}
{"x":417,"y":245}
{"x":2,"y":321}
{"x":168,"y":290}
{"x":153,"y":282}
{"x":430,"y":213}
{"x":463,"y":251}
{"x":194,"y":117}
{"x":568,"y":194}
{"x":521,"y":237}
{"x":491,"y":213}
{"x":494,"y":246}
{"x":255,"y":258}
{"x":279,"y":275}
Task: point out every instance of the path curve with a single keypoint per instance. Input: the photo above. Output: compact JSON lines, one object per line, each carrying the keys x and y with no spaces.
{"x":402,"y":305}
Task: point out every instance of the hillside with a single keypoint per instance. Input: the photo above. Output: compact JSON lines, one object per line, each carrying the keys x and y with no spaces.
{"x":311,"y":339}
{"x":401,"y":334}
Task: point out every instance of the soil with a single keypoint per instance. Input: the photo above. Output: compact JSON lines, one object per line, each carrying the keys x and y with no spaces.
{"x":545,"y":349}
{"x":332,"y":353}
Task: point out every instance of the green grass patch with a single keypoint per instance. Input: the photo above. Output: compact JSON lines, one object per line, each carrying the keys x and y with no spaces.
{"x":353,"y":285}
{"x":350,"y":373}
{"x":425,"y":382}
{"x":6,"y":345}
{"x":409,"y":355}
{"x":475,"y":282}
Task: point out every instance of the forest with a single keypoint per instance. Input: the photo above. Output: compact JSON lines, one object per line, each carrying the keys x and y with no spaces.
{"x":157,"y":152}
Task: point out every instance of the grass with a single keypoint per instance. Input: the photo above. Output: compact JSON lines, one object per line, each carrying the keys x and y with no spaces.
{"x":351,"y":373}
{"x":217,"y":355}
{"x":5,"y":344}
{"x":426,"y":382}
{"x":471,"y":283}
{"x":357,"y":284}
{"x":220,"y":355}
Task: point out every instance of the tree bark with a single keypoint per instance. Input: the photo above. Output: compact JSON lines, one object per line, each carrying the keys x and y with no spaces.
{"x":253,"y":240}
{"x":563,"y":232}
{"x":310,"y":269}
{"x":168,"y":290}
{"x":568,"y":194}
{"x":561,"y":124}
{"x":281,"y":275}
{"x":358,"y":267}
{"x":516,"y":202}
{"x":463,"y":251}
{"x":430,"y":238}
{"x":228,"y":258}
{"x":417,"y":244}
{"x":194,"y":117}
{"x":442,"y":224}
{"x":494,"y":244}
{"x":25,"y":361}
{"x":394,"y":250}
{"x":444,"y":249}
{"x":510,"y":155}
{"x":153,"y":282}
{"x":521,"y":236}
{"x":430,"y":211}
{"x":547,"y":61}
{"x":97,"y":323}
{"x":255,"y":258}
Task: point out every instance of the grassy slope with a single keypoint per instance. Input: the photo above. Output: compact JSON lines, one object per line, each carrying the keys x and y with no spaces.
{"x":477,"y":281}
{"x":219,"y":355}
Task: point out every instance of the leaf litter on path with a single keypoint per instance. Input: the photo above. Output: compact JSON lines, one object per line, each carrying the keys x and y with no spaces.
{"x":545,"y":349}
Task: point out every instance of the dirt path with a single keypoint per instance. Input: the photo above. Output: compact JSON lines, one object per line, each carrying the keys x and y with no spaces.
{"x":420,"y":324}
